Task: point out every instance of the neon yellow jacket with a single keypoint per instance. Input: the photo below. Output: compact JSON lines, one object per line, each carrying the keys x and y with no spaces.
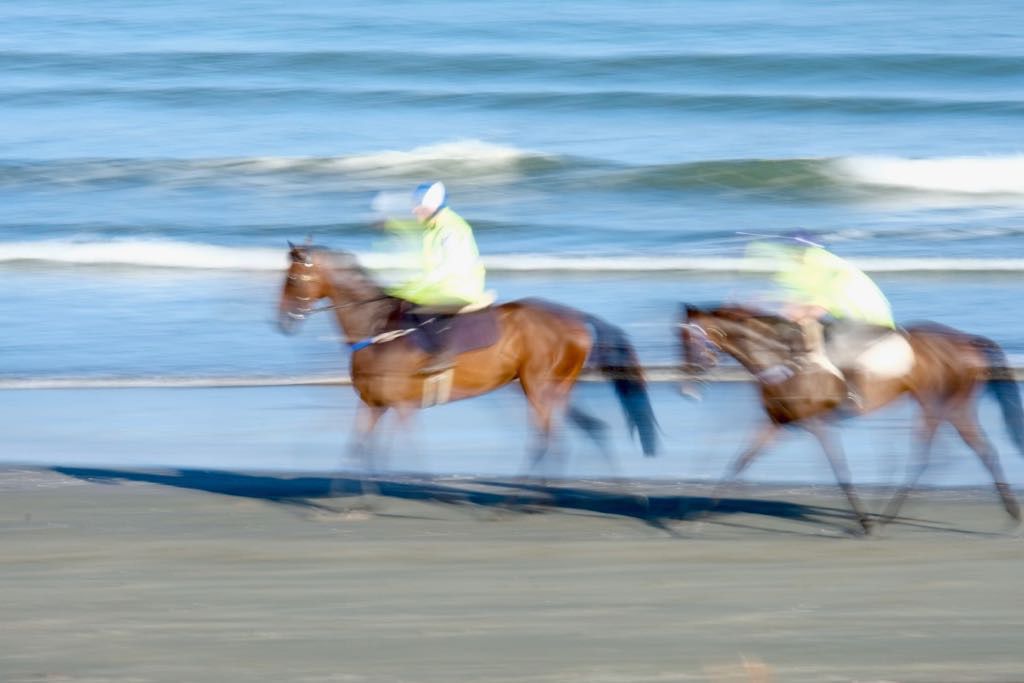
{"x":817,"y":277}
{"x":451,"y":271}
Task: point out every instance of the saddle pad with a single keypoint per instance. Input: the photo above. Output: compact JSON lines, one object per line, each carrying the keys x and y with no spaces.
{"x":466,"y":332}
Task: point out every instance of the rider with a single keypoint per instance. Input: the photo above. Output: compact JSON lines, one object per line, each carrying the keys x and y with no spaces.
{"x":451,"y":273}
{"x":823,"y":288}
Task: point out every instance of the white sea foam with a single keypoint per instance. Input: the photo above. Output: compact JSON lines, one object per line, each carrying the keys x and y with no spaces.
{"x":996,"y":175}
{"x":144,"y":254}
{"x":470,"y":160}
{"x":146,"y":382}
{"x":473,"y":155}
{"x":195,"y":256}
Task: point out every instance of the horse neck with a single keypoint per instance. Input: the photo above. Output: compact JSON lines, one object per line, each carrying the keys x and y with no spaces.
{"x":358,"y":306}
{"x":754,"y":351}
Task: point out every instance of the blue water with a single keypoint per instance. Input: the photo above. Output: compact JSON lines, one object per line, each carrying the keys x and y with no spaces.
{"x":155,"y":158}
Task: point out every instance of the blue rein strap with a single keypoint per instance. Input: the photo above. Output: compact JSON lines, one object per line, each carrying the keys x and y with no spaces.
{"x":362,"y":344}
{"x":379,"y":339}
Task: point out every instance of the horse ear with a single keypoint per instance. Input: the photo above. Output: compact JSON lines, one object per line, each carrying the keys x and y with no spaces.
{"x":291,"y":246}
{"x":688,"y":309}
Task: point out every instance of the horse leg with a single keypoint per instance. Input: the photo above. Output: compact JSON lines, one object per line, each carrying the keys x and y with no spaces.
{"x":542,"y":440}
{"x":407,"y":422}
{"x":544,"y":400}
{"x":764,"y":436}
{"x":361,"y":448}
{"x":967,"y":426}
{"x":925,"y":437}
{"x":834,"y":453}
{"x":597,"y":430}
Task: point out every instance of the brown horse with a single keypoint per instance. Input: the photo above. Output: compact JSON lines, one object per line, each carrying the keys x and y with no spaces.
{"x":948,"y":368}
{"x":543,"y":345}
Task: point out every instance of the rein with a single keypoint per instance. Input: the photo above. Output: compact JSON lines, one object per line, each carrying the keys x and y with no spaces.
{"x":303,"y":313}
{"x":350,"y":304}
{"x":366,"y":341}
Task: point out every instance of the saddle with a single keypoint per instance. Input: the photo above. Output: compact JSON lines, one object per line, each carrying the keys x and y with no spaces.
{"x":459,"y":329}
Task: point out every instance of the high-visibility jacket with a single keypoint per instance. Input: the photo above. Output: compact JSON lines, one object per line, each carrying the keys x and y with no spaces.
{"x":817,"y":277}
{"x":451,"y":271}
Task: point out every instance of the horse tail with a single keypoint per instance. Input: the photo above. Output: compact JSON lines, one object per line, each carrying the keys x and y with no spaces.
{"x":1004,"y":387}
{"x":617,"y":360}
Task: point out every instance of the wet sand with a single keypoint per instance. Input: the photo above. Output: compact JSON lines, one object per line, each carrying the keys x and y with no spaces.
{"x":118,"y":575}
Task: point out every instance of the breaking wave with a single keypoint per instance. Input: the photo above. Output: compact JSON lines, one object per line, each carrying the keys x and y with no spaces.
{"x":473,"y":162}
{"x":195,"y":256}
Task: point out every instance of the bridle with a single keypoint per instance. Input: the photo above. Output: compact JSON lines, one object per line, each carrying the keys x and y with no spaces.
{"x":702,"y":336}
{"x":306,"y":307}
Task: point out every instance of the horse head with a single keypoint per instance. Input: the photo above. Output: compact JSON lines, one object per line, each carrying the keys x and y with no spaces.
{"x":700,"y":351}
{"x":751,"y":337}
{"x":304,"y":285}
{"x":314,"y":274}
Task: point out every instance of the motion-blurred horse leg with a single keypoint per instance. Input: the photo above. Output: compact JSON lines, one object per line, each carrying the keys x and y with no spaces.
{"x":547,"y":400}
{"x":765,"y":434}
{"x":406,"y":414}
{"x":967,"y":426}
{"x":834,"y":453}
{"x":361,"y":447}
{"x":597,"y":430}
{"x":922,"y":452}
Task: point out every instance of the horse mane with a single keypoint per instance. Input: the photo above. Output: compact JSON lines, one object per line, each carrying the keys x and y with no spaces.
{"x":735,"y":312}
{"x":766,"y":325}
{"x":344,"y":263}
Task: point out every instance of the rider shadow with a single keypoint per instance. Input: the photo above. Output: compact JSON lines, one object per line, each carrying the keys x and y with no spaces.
{"x":314,"y":493}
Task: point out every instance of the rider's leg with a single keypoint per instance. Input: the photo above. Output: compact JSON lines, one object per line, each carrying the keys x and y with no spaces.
{"x":434,"y":322}
{"x":441,"y":356}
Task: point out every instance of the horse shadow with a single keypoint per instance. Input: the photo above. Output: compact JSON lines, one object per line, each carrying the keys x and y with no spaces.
{"x":317,"y":492}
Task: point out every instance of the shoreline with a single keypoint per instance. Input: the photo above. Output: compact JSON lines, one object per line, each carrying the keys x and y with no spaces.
{"x":307,"y":429}
{"x":654,"y":374}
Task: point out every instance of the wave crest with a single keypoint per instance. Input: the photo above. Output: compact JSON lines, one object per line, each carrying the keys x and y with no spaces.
{"x":469,"y":160}
{"x":194,"y":256}
{"x":474,"y":162}
{"x":999,"y":175}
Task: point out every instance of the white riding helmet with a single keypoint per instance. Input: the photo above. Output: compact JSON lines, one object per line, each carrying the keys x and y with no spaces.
{"x":432,"y":196}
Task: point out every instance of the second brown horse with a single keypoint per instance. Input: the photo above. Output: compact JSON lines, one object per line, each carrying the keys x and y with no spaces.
{"x":948,"y":369}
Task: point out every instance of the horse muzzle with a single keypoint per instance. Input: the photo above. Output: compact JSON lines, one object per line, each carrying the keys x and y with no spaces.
{"x":691,"y":390}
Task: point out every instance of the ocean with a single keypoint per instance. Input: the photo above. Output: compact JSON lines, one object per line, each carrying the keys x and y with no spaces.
{"x":613,"y":156}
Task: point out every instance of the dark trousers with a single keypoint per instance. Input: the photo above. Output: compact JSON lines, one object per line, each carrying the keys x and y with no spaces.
{"x":434,"y":328}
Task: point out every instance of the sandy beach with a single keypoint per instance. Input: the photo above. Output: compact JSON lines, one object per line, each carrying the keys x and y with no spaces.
{"x":177,"y":575}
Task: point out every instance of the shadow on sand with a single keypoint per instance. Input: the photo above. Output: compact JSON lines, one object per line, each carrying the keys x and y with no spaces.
{"x":655,"y":506}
